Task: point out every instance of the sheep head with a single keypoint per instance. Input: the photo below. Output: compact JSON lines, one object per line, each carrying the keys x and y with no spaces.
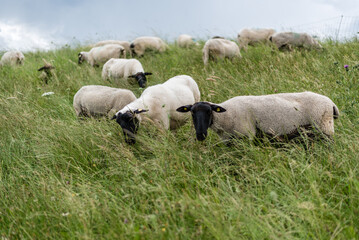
{"x":202,"y":116}
{"x":129,"y":124}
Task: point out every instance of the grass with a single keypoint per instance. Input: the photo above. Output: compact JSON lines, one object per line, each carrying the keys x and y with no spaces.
{"x":65,"y":178}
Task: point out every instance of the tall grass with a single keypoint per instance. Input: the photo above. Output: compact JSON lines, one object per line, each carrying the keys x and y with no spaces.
{"x":65,"y":178}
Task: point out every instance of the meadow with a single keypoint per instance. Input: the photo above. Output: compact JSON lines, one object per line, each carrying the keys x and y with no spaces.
{"x":61,"y":178}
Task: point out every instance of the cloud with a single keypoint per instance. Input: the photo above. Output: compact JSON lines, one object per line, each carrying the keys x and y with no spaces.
{"x":24,"y":38}
{"x":88,"y":21}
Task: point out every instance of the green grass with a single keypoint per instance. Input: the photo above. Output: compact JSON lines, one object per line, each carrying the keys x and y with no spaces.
{"x":65,"y":178}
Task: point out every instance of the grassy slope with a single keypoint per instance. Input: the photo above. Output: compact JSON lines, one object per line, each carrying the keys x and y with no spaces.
{"x":62,"y":178}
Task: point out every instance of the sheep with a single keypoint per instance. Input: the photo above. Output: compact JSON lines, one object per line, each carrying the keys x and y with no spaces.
{"x":124,"y":44}
{"x":158,"y":104}
{"x":185,"y":41}
{"x":96,"y":100}
{"x":219,"y":48}
{"x":12,"y":58}
{"x":141,"y":44}
{"x":253,"y":36}
{"x":47,"y":72}
{"x":102,"y":54}
{"x":125,"y":68}
{"x":287,"y":40}
{"x":279,"y":115}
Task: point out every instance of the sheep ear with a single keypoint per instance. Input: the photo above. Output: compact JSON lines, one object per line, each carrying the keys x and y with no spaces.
{"x":217,"y":108}
{"x":148,"y":73}
{"x":140,"y":111}
{"x":79,"y":54}
{"x":118,"y":114}
{"x":185,"y":108}
{"x":132,"y":76}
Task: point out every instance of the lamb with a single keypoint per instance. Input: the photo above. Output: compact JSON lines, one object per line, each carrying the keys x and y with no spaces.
{"x":102,"y":54}
{"x":185,"y":41}
{"x":279,"y":115}
{"x":96,"y":100}
{"x":158,"y":104}
{"x":253,"y":36}
{"x":12,"y":58}
{"x":287,"y":40}
{"x":219,"y":48}
{"x":124,"y":44}
{"x":141,"y":44}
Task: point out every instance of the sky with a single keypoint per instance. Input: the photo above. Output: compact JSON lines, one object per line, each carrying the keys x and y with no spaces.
{"x":29,"y":25}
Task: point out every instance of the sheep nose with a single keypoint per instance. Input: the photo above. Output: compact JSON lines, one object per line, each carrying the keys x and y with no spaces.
{"x":130,"y":141}
{"x":201,"y":136}
{"x":142,"y":84}
{"x":129,"y":137}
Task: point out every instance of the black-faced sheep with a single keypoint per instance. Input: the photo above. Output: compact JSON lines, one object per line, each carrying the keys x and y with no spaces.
{"x":141,"y":44}
{"x":12,"y":58}
{"x":95,"y":100}
{"x":158,"y":104}
{"x":288,"y":40}
{"x":47,"y":72}
{"x":253,"y":36}
{"x":125,"y":68}
{"x":277,"y":115}
{"x":219,"y":48}
{"x":98,"y":55}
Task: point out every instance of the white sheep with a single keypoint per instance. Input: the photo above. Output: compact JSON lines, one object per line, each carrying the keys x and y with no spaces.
{"x":102,"y":54}
{"x":116,"y":68}
{"x":124,"y":44}
{"x":253,"y":36}
{"x":185,"y":41}
{"x":12,"y":58}
{"x":220,"y":48}
{"x":277,"y":115}
{"x":141,"y":44}
{"x":287,"y":40}
{"x":95,"y":100}
{"x":158,"y":104}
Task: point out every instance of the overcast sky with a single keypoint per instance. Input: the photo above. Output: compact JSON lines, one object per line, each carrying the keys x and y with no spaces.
{"x":44,"y":24}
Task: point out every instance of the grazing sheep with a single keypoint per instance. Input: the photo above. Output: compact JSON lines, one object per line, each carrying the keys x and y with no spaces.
{"x":102,"y":54}
{"x":12,"y":58}
{"x":47,"y":72}
{"x":141,"y":44}
{"x":253,"y":36}
{"x":287,"y":40}
{"x":185,"y":41}
{"x":277,"y":115}
{"x":95,"y":100}
{"x":125,"y":68}
{"x":124,"y":44}
{"x":219,"y":48}
{"x":159,"y":104}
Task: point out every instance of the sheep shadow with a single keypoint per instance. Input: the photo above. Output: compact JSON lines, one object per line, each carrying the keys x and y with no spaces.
{"x":306,"y":137}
